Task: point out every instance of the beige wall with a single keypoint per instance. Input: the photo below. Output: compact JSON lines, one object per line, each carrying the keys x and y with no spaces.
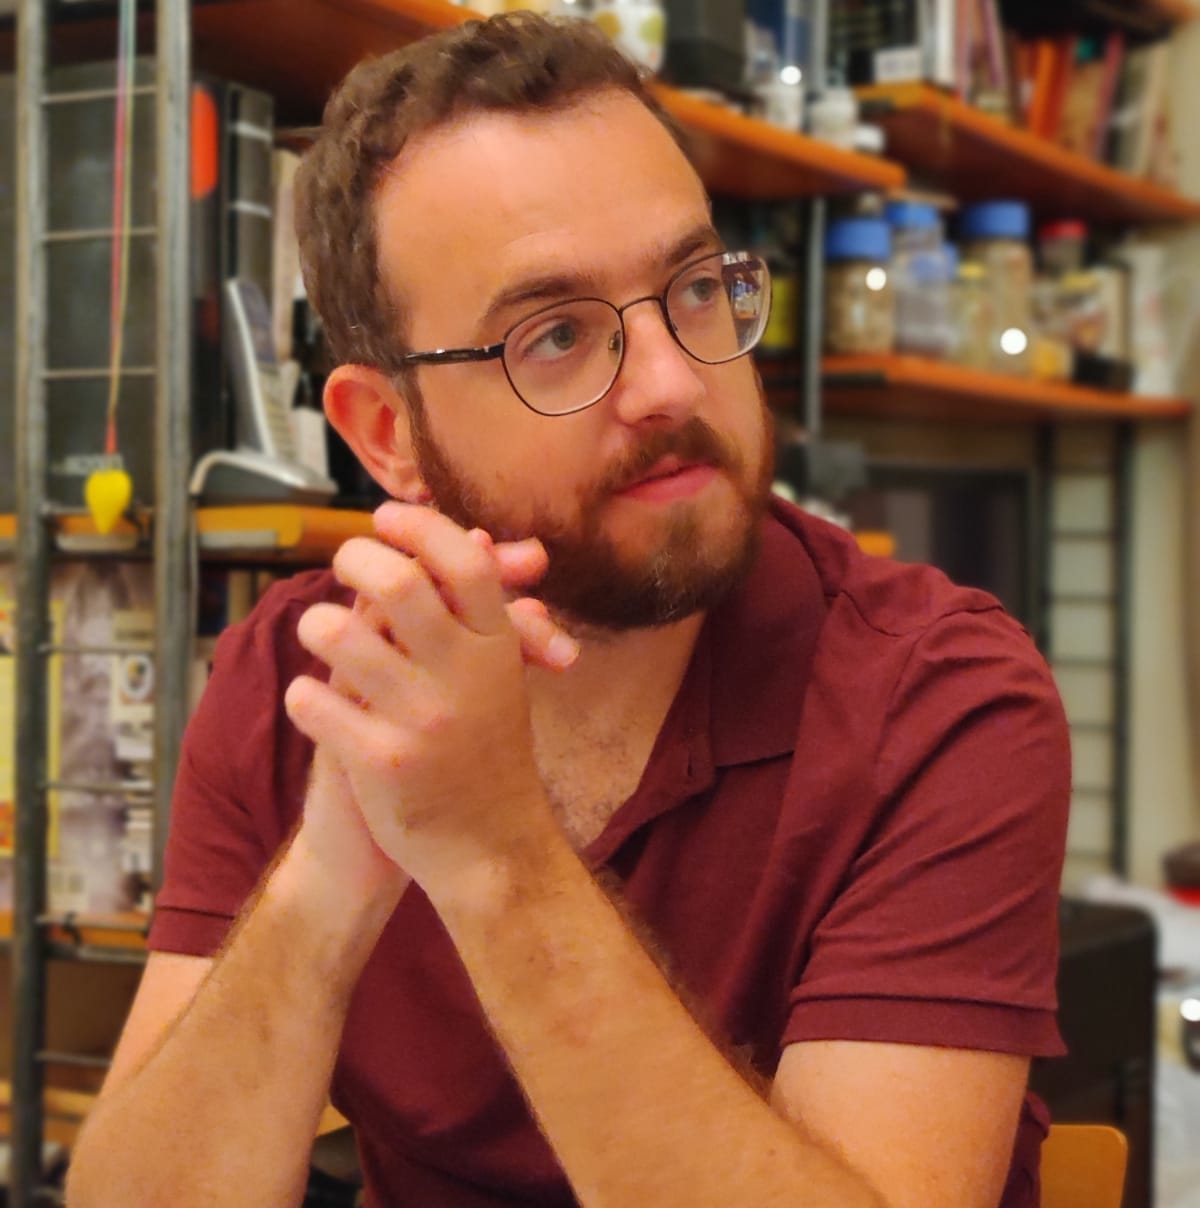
{"x":1165,"y":731}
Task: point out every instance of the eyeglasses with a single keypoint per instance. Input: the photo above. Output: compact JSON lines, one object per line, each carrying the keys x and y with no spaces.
{"x":566,"y":357}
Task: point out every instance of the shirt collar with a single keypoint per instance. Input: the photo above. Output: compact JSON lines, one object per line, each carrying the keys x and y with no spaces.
{"x":760,"y":644}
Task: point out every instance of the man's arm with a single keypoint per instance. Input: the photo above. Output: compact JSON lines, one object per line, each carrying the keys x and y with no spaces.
{"x":222,"y":1073}
{"x":641,"y":1108}
{"x":956,"y":1110}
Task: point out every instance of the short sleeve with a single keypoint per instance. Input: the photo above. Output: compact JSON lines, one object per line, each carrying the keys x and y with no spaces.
{"x":240,"y":781}
{"x":946,"y":931}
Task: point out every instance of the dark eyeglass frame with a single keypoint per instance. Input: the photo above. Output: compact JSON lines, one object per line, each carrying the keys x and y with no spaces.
{"x":492,"y":352}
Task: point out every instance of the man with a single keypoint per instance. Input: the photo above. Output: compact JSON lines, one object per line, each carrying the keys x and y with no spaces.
{"x":721,"y":869}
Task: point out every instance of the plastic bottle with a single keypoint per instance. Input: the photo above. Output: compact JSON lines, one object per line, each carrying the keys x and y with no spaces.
{"x":860,"y":312}
{"x":777,"y":45}
{"x":996,"y":235}
{"x":923,"y":275}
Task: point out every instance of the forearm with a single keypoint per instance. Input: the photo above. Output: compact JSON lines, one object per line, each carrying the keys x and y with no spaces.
{"x":226,"y":1108}
{"x":637,"y":1102}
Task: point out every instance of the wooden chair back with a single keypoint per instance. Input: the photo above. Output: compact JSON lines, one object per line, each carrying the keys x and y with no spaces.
{"x":1083,"y":1166}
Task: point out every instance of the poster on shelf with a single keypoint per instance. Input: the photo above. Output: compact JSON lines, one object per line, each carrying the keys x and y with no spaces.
{"x":101,"y":710}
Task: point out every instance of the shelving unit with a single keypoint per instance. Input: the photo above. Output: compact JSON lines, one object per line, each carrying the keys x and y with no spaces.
{"x":975,"y":155}
{"x":259,"y":532}
{"x":297,"y":50}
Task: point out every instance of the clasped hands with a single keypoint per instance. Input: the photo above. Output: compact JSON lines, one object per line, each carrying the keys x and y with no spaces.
{"x":423,"y":744}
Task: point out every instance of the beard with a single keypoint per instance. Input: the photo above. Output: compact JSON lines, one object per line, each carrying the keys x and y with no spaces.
{"x":695,"y":560}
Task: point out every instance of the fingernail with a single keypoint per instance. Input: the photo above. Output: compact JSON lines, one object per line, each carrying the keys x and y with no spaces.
{"x":482,"y":538}
{"x":563,"y":650}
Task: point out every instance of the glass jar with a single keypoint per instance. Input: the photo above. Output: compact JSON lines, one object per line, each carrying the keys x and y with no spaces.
{"x":973,"y":319}
{"x":996,"y":235}
{"x":922,"y":275}
{"x":860,"y":306}
{"x":1062,"y":246}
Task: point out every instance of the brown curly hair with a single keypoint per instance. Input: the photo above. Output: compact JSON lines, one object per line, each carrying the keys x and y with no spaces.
{"x":515,"y":62}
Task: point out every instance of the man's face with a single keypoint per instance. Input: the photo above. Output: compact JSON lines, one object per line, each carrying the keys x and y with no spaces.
{"x":648,"y":501}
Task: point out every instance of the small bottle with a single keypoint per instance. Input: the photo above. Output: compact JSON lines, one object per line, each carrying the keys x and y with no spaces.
{"x":996,"y":234}
{"x":922,"y":276}
{"x":777,"y":41}
{"x":860,"y":309}
{"x":833,"y":117}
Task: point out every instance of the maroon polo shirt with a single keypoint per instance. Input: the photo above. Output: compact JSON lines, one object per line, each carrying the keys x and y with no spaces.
{"x":851,"y":827}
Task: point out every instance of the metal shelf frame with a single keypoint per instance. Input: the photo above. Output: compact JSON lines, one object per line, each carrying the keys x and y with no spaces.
{"x":173,"y":547}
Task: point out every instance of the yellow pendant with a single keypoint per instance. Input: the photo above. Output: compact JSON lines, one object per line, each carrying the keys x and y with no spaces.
{"x":107,"y":494}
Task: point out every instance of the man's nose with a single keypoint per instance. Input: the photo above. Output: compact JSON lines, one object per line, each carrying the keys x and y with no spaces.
{"x":658,"y":381}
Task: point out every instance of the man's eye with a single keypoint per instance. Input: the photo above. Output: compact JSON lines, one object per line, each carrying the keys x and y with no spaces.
{"x":702,"y":289}
{"x":554,"y":339}
{"x":560,"y":338}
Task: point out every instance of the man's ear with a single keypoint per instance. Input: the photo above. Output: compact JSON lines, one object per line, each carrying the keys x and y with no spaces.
{"x":371,"y":416}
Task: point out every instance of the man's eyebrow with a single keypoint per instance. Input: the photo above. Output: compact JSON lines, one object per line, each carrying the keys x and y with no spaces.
{"x":551,"y":287}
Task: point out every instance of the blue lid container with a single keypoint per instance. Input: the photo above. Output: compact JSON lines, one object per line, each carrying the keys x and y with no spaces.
{"x":859,"y":239}
{"x":913,"y":216}
{"x":996,"y":220}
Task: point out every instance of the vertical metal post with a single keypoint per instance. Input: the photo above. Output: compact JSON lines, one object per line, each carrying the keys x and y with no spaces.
{"x":817,"y":67}
{"x":1123,"y":645}
{"x":814,"y":316}
{"x":33,"y":614}
{"x":1039,"y":538}
{"x":816,"y":209}
{"x":173,"y":569}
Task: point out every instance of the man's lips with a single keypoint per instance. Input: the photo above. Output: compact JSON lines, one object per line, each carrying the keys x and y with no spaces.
{"x":669,"y":478}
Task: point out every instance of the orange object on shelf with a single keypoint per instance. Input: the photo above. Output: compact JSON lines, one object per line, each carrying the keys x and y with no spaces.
{"x":977,"y":156}
{"x":126,"y":929}
{"x":877,"y":543}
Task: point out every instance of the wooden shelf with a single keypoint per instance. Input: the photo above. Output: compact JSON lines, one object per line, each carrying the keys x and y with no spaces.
{"x":299,"y":49}
{"x":742,"y":157}
{"x":901,"y":387}
{"x":1174,"y":12}
{"x":278,"y":531}
{"x":1139,"y":20}
{"x":66,"y":1111}
{"x":273,"y":532}
{"x":126,"y":930}
{"x":976,"y":156}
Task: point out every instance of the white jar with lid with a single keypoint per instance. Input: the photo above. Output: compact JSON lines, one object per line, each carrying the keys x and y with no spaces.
{"x":996,"y":235}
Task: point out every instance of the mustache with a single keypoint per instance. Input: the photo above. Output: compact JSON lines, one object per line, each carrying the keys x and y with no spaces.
{"x":694,"y":441}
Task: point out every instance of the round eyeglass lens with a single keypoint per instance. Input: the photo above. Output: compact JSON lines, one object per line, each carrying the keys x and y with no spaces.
{"x":565,"y":357}
{"x":718,"y":306}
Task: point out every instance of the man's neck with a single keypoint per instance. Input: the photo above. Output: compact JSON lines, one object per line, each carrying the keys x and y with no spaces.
{"x":619,"y":677}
